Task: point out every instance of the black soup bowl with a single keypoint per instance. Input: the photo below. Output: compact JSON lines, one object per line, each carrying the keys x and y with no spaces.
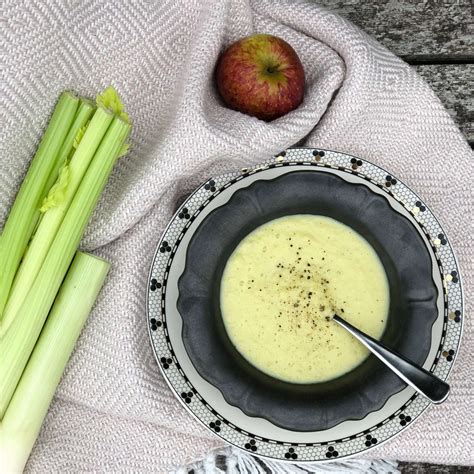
{"x":412,"y":312}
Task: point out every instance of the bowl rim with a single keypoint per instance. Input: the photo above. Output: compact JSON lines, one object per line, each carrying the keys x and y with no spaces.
{"x":300,"y":157}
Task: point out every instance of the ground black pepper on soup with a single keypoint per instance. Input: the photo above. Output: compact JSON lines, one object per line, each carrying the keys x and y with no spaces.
{"x":281,"y":287}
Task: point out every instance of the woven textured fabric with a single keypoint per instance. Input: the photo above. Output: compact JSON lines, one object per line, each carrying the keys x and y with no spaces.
{"x":113,"y":410}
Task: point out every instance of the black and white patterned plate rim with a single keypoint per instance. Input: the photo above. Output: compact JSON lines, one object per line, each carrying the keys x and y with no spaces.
{"x":202,"y":409}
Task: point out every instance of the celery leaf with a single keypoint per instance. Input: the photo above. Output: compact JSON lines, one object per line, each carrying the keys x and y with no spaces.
{"x":110,"y":100}
{"x":58,"y":190}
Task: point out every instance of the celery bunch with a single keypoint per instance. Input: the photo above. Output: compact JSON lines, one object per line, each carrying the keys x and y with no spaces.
{"x":30,"y":402}
{"x":40,"y":238}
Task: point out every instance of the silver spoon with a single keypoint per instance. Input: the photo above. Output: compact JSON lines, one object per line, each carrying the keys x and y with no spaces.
{"x":420,"y":379}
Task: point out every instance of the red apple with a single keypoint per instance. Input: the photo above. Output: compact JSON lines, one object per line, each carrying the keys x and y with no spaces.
{"x":262,"y":76}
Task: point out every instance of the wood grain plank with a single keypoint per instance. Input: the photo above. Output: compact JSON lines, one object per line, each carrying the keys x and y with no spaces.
{"x":431,"y":30}
{"x":454,"y":85}
{"x":423,"y":468}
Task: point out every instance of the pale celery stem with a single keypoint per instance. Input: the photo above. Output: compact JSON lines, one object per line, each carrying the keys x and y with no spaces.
{"x":29,"y":404}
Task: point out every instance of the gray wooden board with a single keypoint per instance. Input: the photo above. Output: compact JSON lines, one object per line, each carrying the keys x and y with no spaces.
{"x":454,"y":85}
{"x":424,"y":468}
{"x":404,"y":467}
{"x":414,"y":29}
{"x":434,"y":35}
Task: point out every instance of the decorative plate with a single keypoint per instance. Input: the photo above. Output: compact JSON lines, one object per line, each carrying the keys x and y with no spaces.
{"x":204,"y":391}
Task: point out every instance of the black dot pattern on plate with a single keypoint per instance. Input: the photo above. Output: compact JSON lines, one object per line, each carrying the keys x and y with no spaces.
{"x":187,"y":396}
{"x":455,"y":316}
{"x":390,"y":181}
{"x":419,"y":207}
{"x":449,"y":355}
{"x":454,"y":276}
{"x":290,"y":454}
{"x":355,"y":163}
{"x":210,"y":186}
{"x":162,"y":271}
{"x":215,"y":425}
{"x":404,"y":419}
{"x":166,"y":362}
{"x":318,"y":154}
{"x":165,"y":247}
{"x":331,"y":452}
{"x":251,"y":445}
{"x":154,"y":324}
{"x":184,"y":214}
{"x":154,"y":284}
{"x":370,"y":440}
{"x":442,"y":239}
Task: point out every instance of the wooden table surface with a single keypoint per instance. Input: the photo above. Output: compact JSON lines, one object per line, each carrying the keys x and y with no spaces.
{"x":435,"y":36}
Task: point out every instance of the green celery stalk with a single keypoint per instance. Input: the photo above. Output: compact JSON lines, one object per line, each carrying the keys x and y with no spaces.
{"x":85,"y":110}
{"x":52,"y":218}
{"x":29,"y":404}
{"x":23,"y":214}
{"x":84,"y":113}
{"x":17,"y":343}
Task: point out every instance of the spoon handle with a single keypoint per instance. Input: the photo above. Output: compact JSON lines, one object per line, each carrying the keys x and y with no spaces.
{"x":420,"y":379}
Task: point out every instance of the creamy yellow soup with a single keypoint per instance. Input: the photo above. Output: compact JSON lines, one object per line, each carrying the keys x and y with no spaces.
{"x":282,"y":285}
